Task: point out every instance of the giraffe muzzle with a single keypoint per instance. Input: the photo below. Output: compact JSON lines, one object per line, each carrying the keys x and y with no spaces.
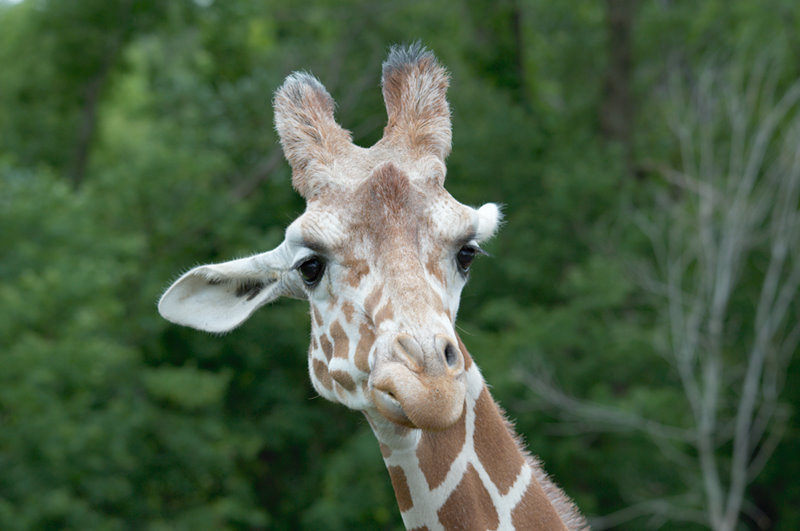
{"x":420,"y":389}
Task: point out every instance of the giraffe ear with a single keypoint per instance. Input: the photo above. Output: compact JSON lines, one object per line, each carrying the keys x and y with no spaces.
{"x":415,"y":93}
{"x":309,"y":134}
{"x":220,"y":297}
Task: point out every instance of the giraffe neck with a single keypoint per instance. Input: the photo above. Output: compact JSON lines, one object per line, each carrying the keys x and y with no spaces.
{"x":474,"y":475}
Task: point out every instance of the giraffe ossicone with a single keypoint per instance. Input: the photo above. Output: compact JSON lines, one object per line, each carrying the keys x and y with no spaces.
{"x":382,"y":253}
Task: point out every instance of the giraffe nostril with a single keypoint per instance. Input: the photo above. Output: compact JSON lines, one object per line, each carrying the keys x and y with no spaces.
{"x":450,"y":355}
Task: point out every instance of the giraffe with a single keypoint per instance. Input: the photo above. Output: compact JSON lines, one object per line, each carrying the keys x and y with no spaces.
{"x":382,"y":253}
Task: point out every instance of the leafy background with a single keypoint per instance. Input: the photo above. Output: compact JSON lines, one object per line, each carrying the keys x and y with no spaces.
{"x":136,"y":141}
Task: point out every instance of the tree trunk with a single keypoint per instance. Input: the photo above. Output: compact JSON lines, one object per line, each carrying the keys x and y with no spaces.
{"x":94,"y":91}
{"x":88,"y":124}
{"x":617,"y":110}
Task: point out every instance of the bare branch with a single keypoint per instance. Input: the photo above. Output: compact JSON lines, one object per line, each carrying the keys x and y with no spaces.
{"x":604,"y":418}
{"x":739,"y":183}
{"x":674,"y":508}
{"x":258,"y":175}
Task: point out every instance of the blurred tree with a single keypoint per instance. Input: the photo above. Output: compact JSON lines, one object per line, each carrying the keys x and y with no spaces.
{"x":617,"y":109}
{"x":725,"y":238}
{"x":90,"y":437}
{"x":79,"y":46}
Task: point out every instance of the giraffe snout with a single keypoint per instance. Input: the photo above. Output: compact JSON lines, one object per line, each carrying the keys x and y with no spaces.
{"x":420,"y":387}
{"x":445,"y":358}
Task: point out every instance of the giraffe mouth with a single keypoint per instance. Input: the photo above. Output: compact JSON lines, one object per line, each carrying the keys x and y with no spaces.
{"x":390,"y":407}
{"x":422,"y":403}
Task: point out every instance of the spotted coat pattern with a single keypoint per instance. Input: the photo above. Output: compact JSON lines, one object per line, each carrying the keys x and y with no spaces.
{"x":382,"y":253}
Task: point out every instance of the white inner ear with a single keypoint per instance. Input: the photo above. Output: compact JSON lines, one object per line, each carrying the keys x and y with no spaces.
{"x":489,"y":217}
{"x":215,"y":305}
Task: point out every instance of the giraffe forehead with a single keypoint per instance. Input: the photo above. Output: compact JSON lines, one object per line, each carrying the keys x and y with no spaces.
{"x":388,"y":208}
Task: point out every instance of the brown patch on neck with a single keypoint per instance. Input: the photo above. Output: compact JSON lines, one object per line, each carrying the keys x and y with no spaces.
{"x":365,"y":342}
{"x":437,"y":450}
{"x":470,"y":506}
{"x":341,"y":344}
{"x":400,"y":485}
{"x":494,"y":444}
{"x":534,"y":511}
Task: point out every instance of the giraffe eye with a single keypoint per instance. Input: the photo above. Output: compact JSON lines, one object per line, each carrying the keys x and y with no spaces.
{"x":311,"y":271}
{"x":465,"y":257}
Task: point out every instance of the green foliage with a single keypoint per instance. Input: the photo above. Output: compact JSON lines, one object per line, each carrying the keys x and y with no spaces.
{"x":354,"y":496}
{"x":112,"y":418}
{"x":90,"y":436}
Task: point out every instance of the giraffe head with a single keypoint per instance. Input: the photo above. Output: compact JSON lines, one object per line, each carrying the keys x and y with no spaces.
{"x":381,"y":252}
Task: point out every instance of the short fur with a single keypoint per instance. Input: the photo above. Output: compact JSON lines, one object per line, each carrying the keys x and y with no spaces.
{"x":415,"y":93}
{"x":383,"y":341}
{"x":308,"y":131}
